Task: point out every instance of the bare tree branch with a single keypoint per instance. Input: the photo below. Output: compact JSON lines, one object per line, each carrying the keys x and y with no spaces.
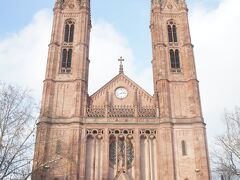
{"x":18,"y":116}
{"x":226,"y":155}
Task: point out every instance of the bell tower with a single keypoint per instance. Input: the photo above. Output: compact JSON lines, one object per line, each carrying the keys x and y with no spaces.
{"x":66,"y":82}
{"x":177,"y":92}
{"x":65,"y":90}
{"x":175,"y":80}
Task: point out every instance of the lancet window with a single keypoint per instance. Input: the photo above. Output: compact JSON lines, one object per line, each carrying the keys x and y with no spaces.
{"x":67,"y":51}
{"x":148,"y":153}
{"x":172,"y":32}
{"x":184,"y":148}
{"x":66,"y":60}
{"x":175,"y":58}
{"x":94,"y":154}
{"x":69,"y":31}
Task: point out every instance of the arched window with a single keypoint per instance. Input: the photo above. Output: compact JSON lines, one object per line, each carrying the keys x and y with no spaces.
{"x":172,"y":56}
{"x":69,"y":31}
{"x":172,"y":32}
{"x":170,"y":37}
{"x":184,"y":148}
{"x":66,"y":60}
{"x":175,"y":59}
{"x":69,"y":60}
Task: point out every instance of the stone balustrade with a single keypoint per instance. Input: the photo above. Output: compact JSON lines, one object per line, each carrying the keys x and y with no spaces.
{"x":121,"y":111}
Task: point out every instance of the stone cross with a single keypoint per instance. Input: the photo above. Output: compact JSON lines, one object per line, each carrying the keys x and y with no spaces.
{"x":121,"y":65}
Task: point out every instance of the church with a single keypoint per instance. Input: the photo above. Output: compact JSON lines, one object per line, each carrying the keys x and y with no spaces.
{"x":121,"y":132}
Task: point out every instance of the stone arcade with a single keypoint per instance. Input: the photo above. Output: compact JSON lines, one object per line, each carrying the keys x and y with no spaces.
{"x":121,"y":132}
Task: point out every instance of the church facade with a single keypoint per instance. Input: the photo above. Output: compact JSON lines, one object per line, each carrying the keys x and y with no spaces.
{"x":121,"y":132}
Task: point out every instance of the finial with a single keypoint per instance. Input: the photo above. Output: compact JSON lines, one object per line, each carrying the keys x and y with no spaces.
{"x":121,"y":65}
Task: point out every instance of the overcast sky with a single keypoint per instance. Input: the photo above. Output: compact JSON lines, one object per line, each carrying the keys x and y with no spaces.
{"x":120,"y":28}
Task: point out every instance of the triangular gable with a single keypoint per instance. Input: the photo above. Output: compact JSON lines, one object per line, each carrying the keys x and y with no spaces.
{"x":133,"y":88}
{"x":170,"y":6}
{"x":70,"y":4}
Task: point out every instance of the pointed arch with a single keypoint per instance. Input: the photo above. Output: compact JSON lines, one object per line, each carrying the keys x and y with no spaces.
{"x":170,"y":36}
{"x":69,"y":31}
{"x":172,"y":31}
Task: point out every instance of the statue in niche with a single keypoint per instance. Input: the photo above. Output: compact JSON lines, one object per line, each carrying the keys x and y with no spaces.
{"x":121,"y":162}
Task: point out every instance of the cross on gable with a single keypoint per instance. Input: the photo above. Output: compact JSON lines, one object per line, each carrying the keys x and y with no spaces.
{"x":121,"y":65}
{"x":121,"y":60}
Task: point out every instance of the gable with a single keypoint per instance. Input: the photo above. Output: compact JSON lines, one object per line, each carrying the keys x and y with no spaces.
{"x":69,"y":5}
{"x":135,"y":94}
{"x":170,"y":6}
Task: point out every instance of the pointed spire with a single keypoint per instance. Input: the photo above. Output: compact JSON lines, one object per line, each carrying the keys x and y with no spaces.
{"x":121,"y":65}
{"x":156,"y":3}
{"x":183,"y":4}
{"x":85,"y":3}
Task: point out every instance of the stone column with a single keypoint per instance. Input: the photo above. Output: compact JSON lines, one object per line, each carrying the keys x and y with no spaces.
{"x":82,"y":155}
{"x":137,"y":156}
{"x":105,"y":152}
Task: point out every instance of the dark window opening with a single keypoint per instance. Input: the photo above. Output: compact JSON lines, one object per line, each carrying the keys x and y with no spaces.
{"x":184,"y":148}
{"x":172,"y":32}
{"x":174,"y":29}
{"x":66,"y":35}
{"x":69,"y":59}
{"x":172,"y":56}
{"x":170,"y":37}
{"x":175,"y":59}
{"x":69,"y":32}
{"x":66,"y":60}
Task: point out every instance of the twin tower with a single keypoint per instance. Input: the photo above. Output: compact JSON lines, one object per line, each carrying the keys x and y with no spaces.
{"x":121,"y":132}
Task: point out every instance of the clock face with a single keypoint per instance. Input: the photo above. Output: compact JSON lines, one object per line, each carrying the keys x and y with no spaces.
{"x":121,"y":93}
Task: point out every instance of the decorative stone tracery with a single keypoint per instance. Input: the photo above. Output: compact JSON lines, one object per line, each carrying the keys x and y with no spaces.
{"x":121,"y":111}
{"x":147,"y":111}
{"x":96,"y":111}
{"x":121,"y":150}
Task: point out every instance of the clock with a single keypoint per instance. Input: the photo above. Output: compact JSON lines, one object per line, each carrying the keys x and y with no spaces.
{"x":121,"y":93}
